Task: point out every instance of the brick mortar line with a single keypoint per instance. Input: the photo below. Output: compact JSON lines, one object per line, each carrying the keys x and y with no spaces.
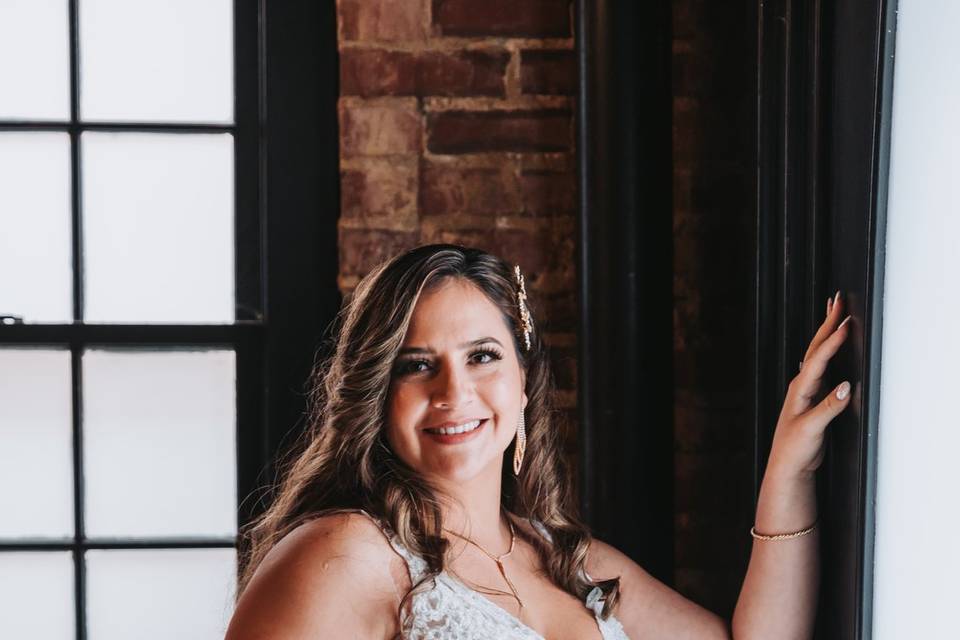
{"x":377,"y":223}
{"x":559,"y":161}
{"x":453,"y":45}
{"x":371,"y":162}
{"x":524,"y":102}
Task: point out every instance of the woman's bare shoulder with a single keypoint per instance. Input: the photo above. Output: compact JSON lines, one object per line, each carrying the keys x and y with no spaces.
{"x":334,"y":576}
{"x":648,"y":608}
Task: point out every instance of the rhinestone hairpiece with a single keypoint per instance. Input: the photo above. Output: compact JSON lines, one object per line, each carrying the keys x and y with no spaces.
{"x":525,"y":319}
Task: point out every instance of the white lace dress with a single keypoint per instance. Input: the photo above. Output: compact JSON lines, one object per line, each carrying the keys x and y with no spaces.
{"x":450,"y":610}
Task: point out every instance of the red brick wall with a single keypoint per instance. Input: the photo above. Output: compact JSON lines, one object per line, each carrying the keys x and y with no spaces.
{"x":456,"y":125}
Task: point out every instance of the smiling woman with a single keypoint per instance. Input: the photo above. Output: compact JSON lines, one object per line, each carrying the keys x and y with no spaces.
{"x":414,"y":422}
{"x":413,"y":508}
{"x":454,"y":408}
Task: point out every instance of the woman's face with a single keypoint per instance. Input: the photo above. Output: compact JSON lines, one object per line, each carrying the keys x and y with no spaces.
{"x":457,"y":366}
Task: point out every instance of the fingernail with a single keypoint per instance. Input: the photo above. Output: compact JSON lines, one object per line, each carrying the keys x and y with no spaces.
{"x":836,"y":297}
{"x":828,"y":307}
{"x":843,"y":390}
{"x":845,"y":320}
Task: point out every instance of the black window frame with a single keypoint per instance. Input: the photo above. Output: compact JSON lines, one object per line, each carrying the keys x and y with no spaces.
{"x":286,"y":197}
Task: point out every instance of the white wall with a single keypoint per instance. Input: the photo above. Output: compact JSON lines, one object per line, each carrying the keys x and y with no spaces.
{"x":917,"y":578}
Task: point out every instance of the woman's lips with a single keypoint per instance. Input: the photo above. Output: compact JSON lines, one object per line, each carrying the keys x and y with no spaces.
{"x":456,"y":438}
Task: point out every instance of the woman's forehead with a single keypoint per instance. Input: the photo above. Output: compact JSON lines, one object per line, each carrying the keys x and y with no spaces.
{"x":455,"y":311}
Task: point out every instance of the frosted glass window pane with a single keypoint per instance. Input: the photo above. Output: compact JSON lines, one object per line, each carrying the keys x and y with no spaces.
{"x":159,"y":443}
{"x":35,"y":229}
{"x":34,"y":60}
{"x":160,"y":594}
{"x":169,"y":61}
{"x":36,"y":450}
{"x":36,"y":595}
{"x":158,"y":227}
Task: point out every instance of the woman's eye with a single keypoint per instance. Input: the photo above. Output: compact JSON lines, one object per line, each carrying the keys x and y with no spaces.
{"x":411,"y":366}
{"x":490,"y":354}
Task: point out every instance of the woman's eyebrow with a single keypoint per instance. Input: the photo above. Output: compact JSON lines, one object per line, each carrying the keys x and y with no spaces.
{"x":465,"y":345}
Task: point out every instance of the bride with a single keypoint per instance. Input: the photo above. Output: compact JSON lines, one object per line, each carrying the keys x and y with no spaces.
{"x":428,"y":497}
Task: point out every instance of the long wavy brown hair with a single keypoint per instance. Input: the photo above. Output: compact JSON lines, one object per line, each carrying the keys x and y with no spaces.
{"x":343,"y":460}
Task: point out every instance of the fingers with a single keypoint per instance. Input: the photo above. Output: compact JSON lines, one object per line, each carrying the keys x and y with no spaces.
{"x":806,"y":384}
{"x":834,"y":308}
{"x":829,"y":408}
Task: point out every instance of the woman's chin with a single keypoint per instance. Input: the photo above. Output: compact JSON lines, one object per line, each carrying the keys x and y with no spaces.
{"x":461,"y":469}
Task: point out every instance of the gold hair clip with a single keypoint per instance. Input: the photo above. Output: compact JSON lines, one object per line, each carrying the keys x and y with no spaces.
{"x":525,"y":318}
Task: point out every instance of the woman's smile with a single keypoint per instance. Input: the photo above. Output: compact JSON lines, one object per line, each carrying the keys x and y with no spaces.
{"x":456,"y":434}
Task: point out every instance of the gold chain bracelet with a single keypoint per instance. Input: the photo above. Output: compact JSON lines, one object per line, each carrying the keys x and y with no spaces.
{"x":783,"y":536}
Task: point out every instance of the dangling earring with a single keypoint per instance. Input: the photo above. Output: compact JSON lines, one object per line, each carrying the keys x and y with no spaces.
{"x":520,"y":447}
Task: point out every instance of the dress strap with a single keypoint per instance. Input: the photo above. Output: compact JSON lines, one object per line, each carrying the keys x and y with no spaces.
{"x":594,"y":599}
{"x":416,"y":566}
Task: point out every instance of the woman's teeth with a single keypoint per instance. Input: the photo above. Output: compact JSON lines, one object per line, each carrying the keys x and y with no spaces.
{"x":462,"y":428}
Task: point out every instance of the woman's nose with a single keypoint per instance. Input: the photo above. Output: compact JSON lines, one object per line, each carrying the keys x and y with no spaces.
{"x":451,"y":387}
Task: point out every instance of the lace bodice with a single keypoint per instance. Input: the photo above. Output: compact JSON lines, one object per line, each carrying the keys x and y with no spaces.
{"x":450,"y":610}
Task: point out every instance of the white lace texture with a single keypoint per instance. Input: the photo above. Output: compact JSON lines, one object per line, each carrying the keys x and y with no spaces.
{"x":446,"y":609}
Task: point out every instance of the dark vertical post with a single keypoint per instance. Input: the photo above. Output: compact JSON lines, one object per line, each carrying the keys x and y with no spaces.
{"x":625,"y":259}
{"x":301,"y":199}
{"x":824,"y":106}
{"x":249,"y":60}
{"x":76,"y":348}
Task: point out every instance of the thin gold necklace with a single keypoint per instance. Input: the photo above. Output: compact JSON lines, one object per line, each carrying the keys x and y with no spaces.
{"x":498,"y":559}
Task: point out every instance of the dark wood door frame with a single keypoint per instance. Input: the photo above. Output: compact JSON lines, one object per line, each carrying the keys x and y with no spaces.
{"x":825,"y":83}
{"x":625,"y":259}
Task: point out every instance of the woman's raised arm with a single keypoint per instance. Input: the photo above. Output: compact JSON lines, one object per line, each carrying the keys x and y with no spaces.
{"x":779,"y":594}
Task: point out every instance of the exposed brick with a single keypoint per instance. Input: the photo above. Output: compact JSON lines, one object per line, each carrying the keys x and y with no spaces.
{"x":563,"y":314}
{"x":383,"y":20}
{"x":548,"y":72}
{"x":548,"y":193}
{"x":693,"y":489}
{"x":697,"y":429}
{"x":563,"y":363}
{"x":472,"y":131}
{"x":528,"y":249}
{"x":379,"y":129}
{"x":685,"y":132}
{"x":465,"y":73}
{"x":363,"y":249}
{"x":518,"y":18}
{"x":446,"y":189}
{"x":382,"y":193}
{"x":379,"y":72}
{"x":376,"y":72}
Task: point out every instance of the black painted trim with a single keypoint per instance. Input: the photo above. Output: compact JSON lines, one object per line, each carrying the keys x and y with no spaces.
{"x":625,"y":261}
{"x":302,"y":201}
{"x":824,"y":105}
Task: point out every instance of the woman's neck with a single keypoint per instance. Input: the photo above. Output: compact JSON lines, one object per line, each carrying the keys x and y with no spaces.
{"x":473,"y":510}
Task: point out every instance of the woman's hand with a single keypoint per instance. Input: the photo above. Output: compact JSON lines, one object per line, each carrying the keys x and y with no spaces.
{"x":779,"y":594}
{"x":798,"y":442}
